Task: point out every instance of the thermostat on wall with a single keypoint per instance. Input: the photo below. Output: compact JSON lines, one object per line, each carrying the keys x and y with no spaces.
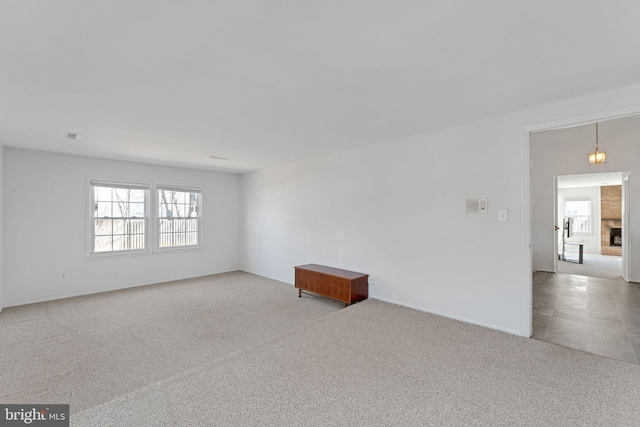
{"x":477,"y":205}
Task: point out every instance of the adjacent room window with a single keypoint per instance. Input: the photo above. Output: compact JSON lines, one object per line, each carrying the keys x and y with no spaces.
{"x":120,"y":217}
{"x":178,"y":217}
{"x":580,"y":211}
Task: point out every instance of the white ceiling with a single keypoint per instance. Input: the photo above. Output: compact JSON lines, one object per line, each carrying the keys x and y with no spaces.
{"x":272,"y":81}
{"x":590,"y":180}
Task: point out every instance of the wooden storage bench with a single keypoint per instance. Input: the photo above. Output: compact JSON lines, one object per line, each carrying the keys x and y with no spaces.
{"x":342,"y":285}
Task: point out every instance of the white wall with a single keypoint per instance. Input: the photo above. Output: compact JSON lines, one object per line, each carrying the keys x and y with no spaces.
{"x":564,"y":152}
{"x":591,"y":241}
{"x":45,"y":215}
{"x":396,"y":210}
{"x":1,"y":241}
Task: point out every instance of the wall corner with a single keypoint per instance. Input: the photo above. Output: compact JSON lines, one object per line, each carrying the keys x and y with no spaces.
{"x":1,"y":228}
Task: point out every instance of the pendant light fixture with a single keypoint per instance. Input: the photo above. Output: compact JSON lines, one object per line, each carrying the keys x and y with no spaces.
{"x":597,"y":157}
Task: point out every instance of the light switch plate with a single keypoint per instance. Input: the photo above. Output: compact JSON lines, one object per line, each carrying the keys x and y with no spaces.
{"x":503,"y":215}
{"x":483,"y":205}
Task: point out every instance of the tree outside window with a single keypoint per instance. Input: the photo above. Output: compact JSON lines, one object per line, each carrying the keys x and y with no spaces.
{"x":119,"y":217}
{"x":178,"y":217}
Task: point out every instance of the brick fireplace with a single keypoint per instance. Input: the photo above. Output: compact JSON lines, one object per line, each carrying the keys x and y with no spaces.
{"x":611,"y":220}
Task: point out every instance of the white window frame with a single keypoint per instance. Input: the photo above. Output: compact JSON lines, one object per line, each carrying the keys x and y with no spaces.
{"x":91,"y":253}
{"x":575,"y":220}
{"x":157,"y":219}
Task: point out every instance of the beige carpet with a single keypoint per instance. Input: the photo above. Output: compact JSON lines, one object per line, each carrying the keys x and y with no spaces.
{"x":371,"y":364}
{"x":377,"y":364}
{"x":594,"y":265}
{"x":88,"y":350}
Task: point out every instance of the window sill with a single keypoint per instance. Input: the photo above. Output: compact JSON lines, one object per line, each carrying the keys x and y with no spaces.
{"x":116,"y":254}
{"x":178,"y":249}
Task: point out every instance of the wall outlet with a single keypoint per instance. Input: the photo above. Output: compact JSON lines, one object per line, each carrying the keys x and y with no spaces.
{"x":63,"y":275}
{"x":372,"y":280}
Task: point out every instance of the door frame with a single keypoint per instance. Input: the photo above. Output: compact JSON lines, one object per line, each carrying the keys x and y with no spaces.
{"x":556,"y":241}
{"x":626,"y":225}
{"x":526,"y":180}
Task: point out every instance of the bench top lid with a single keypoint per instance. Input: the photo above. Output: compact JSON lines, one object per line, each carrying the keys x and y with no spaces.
{"x":331,"y":271}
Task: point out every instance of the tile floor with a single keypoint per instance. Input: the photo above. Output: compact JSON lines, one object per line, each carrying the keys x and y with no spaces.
{"x":600,"y":316}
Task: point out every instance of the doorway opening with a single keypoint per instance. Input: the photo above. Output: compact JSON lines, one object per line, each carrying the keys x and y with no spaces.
{"x":590,"y":222}
{"x":591,"y":305}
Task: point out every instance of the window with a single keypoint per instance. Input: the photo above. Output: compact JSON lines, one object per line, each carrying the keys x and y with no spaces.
{"x":178,"y":216}
{"x":121,"y":214}
{"x":580,"y":211}
{"x":119,"y":219}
